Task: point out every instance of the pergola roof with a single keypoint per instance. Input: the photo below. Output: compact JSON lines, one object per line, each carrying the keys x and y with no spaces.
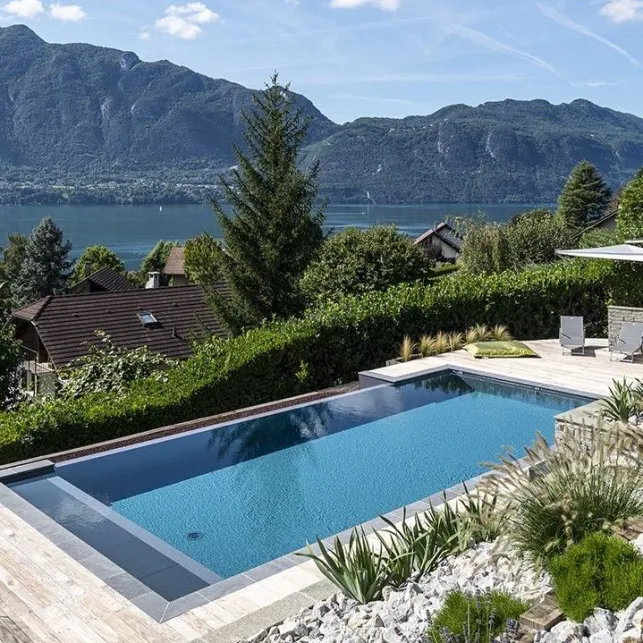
{"x":622,"y":252}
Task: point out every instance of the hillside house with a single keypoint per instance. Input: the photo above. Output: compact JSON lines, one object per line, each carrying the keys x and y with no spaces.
{"x":441,"y":242}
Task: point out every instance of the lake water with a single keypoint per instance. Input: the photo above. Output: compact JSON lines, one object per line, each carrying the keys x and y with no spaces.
{"x":132,"y":231}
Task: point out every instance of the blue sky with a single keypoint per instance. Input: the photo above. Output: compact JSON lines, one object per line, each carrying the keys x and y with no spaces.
{"x":376,"y":57}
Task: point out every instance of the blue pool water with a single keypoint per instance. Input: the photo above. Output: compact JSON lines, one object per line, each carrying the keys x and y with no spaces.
{"x":235,"y":497}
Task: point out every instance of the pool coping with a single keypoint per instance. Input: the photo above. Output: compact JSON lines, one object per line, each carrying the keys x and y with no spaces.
{"x":162,"y":610}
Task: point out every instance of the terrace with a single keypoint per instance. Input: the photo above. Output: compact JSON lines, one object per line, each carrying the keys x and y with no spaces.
{"x":55,"y":588}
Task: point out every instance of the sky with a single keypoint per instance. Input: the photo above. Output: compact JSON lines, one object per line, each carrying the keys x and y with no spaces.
{"x":390,"y":58}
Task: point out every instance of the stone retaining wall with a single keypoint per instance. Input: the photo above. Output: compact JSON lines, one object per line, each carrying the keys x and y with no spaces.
{"x":616,"y":315}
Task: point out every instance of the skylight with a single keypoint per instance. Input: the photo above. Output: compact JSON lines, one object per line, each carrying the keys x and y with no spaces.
{"x":147,"y":319}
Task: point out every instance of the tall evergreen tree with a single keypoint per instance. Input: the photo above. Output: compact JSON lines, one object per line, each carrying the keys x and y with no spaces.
{"x":585,"y":196}
{"x":45,"y":268}
{"x":275,"y":228}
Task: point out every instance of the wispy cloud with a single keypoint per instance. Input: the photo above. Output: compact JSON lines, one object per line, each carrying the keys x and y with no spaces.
{"x":67,"y":12}
{"x":568,"y":23}
{"x":386,"y":5}
{"x":487,"y":41}
{"x":184,"y":20}
{"x":410,"y":78}
{"x":623,"y":10}
{"x":593,"y":84}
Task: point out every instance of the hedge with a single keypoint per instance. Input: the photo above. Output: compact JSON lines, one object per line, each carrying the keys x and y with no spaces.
{"x":330,"y":345}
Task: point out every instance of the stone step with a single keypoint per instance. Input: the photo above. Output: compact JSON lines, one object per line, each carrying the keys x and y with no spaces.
{"x":542,"y":616}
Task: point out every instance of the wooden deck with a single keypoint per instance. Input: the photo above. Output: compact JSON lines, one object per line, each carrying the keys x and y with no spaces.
{"x":47,"y":597}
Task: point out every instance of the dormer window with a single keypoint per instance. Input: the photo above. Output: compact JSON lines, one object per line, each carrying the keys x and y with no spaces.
{"x":147,"y":319}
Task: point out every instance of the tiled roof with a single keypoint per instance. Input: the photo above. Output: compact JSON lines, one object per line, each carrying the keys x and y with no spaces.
{"x":66,"y":323}
{"x":443,"y":231}
{"x":105,"y":279}
{"x":174,"y":266}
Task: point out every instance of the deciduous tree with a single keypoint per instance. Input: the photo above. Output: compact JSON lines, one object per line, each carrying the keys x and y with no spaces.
{"x":97,"y":257}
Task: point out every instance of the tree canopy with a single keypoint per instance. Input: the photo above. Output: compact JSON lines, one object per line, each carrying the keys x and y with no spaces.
{"x":45,"y":267}
{"x":10,"y":360}
{"x":629,"y":221}
{"x":155,"y":262}
{"x":200,"y":260}
{"x":275,"y":228}
{"x":97,"y":257}
{"x":357,"y":261}
{"x":585,"y":196}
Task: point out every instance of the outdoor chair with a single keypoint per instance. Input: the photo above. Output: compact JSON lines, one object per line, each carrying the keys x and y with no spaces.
{"x":572,"y":334}
{"x":629,"y":340}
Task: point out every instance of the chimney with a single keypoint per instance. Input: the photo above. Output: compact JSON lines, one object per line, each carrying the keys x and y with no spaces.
{"x":153,"y":280}
{"x":88,"y":268}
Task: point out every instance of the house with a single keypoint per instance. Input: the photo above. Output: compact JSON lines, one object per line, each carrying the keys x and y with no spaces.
{"x":607,"y":222}
{"x":56,"y":330}
{"x":175,"y":267}
{"x":103,"y":280}
{"x":441,"y":242}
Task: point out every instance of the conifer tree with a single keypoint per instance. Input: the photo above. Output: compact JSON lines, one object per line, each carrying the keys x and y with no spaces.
{"x":45,"y":267}
{"x":276,"y":227}
{"x":585,"y":196}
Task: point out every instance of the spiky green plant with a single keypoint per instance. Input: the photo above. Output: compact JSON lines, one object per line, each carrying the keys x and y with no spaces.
{"x":619,"y":405}
{"x":412,"y":550}
{"x":500,"y":333}
{"x":441,"y":342}
{"x":427,"y":346}
{"x":407,"y":348}
{"x":471,"y":336}
{"x":455,"y":341}
{"x":357,"y":569}
{"x":589,"y":482}
{"x":482,"y":514}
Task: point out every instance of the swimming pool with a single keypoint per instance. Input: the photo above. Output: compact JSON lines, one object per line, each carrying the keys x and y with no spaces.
{"x":230,"y":498}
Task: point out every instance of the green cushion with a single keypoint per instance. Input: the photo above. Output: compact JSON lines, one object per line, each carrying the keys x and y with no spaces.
{"x":500,"y":349}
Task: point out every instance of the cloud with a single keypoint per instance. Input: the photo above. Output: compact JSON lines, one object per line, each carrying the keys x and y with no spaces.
{"x":67,"y":12}
{"x":568,"y":23}
{"x":386,"y":5}
{"x":144,"y":35}
{"x":185,"y":20}
{"x":592,"y":84}
{"x":623,"y":10}
{"x":484,"y":40}
{"x":24,"y":8}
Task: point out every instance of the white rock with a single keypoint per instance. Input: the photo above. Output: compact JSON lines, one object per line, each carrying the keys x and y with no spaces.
{"x":292,"y":628}
{"x":544,"y":637}
{"x":601,"y":619}
{"x":628,"y":618}
{"x":604,"y":636}
{"x":568,"y":631}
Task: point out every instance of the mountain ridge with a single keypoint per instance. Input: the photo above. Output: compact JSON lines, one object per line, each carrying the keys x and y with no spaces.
{"x":94,"y":114}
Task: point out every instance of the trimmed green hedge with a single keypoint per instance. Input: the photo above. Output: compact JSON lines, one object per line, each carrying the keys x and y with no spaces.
{"x":327,"y":347}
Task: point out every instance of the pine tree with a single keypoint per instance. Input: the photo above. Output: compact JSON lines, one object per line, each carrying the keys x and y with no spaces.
{"x":585,"y":196}
{"x":275,"y":228}
{"x":45,"y":267}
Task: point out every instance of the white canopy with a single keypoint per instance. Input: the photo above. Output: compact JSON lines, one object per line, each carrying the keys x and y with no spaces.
{"x":623,"y":252}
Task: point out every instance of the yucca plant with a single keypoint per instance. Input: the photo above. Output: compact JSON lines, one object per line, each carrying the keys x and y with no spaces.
{"x":500,"y":333}
{"x":483,"y":515}
{"x":455,"y":341}
{"x":592,"y":480}
{"x":357,"y":569}
{"x":407,"y":348}
{"x":451,"y":528}
{"x":427,"y":346}
{"x":441,"y":342}
{"x":412,"y":550}
{"x":621,"y":403}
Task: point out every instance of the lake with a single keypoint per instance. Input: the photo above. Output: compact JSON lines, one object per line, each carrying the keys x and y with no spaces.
{"x":132,"y":231}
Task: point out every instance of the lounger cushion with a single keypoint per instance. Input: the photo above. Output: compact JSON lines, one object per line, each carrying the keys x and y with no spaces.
{"x":500,"y":349}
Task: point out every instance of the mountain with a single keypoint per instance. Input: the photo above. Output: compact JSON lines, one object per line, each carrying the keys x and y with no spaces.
{"x":93,"y":116}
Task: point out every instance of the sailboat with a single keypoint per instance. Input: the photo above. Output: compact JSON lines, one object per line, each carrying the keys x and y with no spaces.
{"x":160,"y":208}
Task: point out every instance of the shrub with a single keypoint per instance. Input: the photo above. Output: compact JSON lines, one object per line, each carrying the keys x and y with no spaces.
{"x":427,"y":346}
{"x":356,"y":261}
{"x":407,"y":348}
{"x":629,"y":221}
{"x":10,"y":363}
{"x":107,"y":367}
{"x":334,"y":342}
{"x":601,"y":571}
{"x":591,"y":480}
{"x":620,"y":404}
{"x":478,"y":618}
